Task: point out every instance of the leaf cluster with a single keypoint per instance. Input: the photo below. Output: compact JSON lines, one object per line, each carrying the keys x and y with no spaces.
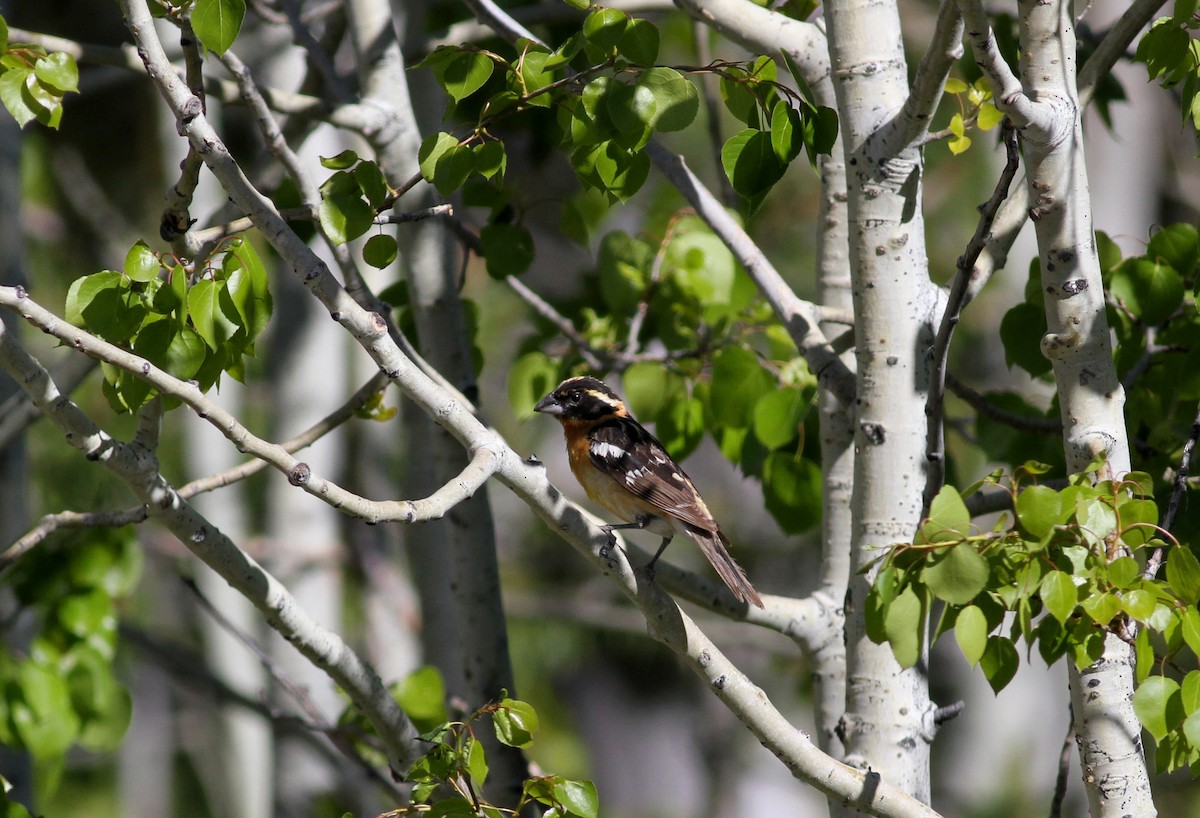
{"x":448,"y":779}
{"x":62,"y":692}
{"x":193,"y":322}
{"x":1063,"y":575}
{"x":33,"y":82}
{"x":1171,"y":54}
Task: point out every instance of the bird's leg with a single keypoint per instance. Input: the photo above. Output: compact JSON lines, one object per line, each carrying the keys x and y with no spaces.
{"x":649,"y":569}
{"x":637,"y":524}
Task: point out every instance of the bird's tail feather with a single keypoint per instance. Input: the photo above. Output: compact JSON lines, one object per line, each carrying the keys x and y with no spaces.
{"x":714,"y":545}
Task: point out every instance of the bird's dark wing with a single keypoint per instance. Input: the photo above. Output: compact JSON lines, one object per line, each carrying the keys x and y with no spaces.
{"x":621,"y":448}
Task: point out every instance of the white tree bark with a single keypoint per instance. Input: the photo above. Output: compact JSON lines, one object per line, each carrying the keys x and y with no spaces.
{"x":889,"y":719}
{"x":1044,"y":103}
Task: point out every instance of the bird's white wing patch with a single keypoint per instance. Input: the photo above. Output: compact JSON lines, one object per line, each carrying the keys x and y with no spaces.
{"x":607,"y":451}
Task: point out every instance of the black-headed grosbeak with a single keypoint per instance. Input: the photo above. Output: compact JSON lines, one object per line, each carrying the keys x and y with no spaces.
{"x":624,"y":468}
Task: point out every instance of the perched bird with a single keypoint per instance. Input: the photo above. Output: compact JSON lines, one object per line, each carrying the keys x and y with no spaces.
{"x":624,"y":468}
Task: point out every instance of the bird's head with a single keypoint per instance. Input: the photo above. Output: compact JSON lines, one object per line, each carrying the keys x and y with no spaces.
{"x":583,"y":399}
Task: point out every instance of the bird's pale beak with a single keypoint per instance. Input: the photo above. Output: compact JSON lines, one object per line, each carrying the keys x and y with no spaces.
{"x":549,"y":406}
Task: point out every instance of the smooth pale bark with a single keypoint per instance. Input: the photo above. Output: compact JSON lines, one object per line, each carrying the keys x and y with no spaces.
{"x":888,"y":723}
{"x":1078,"y":345}
{"x":1044,"y":102}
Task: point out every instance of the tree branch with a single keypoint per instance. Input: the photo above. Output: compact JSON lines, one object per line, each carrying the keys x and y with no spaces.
{"x":51,"y":523}
{"x":299,"y":474}
{"x":139,"y":472}
{"x":800,"y":317}
{"x":935,"y":442}
{"x":944,"y":50}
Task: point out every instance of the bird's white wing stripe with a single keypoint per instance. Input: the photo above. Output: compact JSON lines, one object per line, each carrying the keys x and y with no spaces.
{"x":609,"y":451}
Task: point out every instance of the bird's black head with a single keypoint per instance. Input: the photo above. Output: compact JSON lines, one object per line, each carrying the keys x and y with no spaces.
{"x":583,"y":399}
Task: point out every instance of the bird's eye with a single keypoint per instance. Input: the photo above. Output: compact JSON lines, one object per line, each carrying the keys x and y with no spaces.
{"x":573,"y":398}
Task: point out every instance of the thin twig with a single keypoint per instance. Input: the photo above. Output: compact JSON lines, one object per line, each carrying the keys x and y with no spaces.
{"x":980,"y":403}
{"x":1178,"y":488}
{"x":935,"y":442}
{"x":416,"y":215}
{"x":539,"y":305}
{"x":1064,"y":769}
{"x":133,"y":515}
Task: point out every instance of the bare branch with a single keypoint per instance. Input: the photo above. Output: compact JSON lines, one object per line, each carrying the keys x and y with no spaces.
{"x":1179,"y":487}
{"x":944,"y":50}
{"x":800,"y":317}
{"x":539,"y":305}
{"x":935,"y":443}
{"x":299,"y":474}
{"x":980,"y":404}
{"x":1006,"y":88}
{"x":51,"y":523}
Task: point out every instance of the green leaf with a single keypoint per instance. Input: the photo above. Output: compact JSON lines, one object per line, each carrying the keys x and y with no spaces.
{"x":1163,"y":48}
{"x":792,"y":491}
{"x":750,"y":162}
{"x":422,"y":697}
{"x":740,"y":381}
{"x":141,"y":263}
{"x":971,"y":633}
{"x":610,"y":168}
{"x":515,"y":722}
{"x":490,"y":159}
{"x":1178,"y":246}
{"x":1102,"y":608}
{"x":40,"y":711}
{"x":639,"y":42}
{"x":530,"y":378}
{"x":14,"y":97}
{"x":343,"y":213}
{"x":579,"y":797}
{"x":341,"y":161}
{"x":999,"y":662}
{"x":1140,"y":605}
{"x":212,"y":312}
{"x":248,"y":286}
{"x":432,"y":149}
{"x":1021,"y":332}
{"x":477,"y":765}
{"x":737,"y":97}
{"x":623,"y":263}
{"x":681,"y":427}
{"x":58,"y":70}
{"x":778,"y":415}
{"x":463,"y":74}
{"x":1189,"y":691}
{"x":507,"y":248}
{"x":103,"y":303}
{"x":372,"y":183}
{"x":1059,"y":594}
{"x":1158,"y":705}
{"x":176,"y":350}
{"x":676,"y":98}
{"x":650,"y":387}
{"x":380,"y":251}
{"x":1149,"y":290}
{"x":1122,"y":572}
{"x":217,"y":22}
{"x":1190,"y":628}
{"x":948,"y":520}
{"x":904,"y":627}
{"x":603,"y":28}
{"x":787,"y":132}
{"x":1183,"y":574}
{"x":989,"y":116}
{"x":958,"y":575}
{"x":632,"y":110}
{"x":1039,"y":509}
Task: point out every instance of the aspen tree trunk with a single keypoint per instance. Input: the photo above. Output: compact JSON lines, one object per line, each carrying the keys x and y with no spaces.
{"x":1079,"y":348}
{"x":888,"y":721}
